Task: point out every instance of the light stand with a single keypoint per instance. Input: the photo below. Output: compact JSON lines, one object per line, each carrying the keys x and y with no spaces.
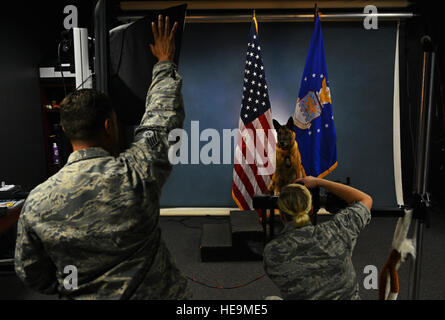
{"x":421,"y":199}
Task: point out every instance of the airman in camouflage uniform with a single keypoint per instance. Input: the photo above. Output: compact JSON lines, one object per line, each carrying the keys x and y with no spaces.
{"x":100,"y":213}
{"x":314,"y":262}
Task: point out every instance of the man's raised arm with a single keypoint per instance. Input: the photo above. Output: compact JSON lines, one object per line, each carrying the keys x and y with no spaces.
{"x":164,"y":109}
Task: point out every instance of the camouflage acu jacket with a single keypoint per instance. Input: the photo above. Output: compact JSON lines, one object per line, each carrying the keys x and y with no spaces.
{"x":101,"y":214}
{"x":314,"y":262}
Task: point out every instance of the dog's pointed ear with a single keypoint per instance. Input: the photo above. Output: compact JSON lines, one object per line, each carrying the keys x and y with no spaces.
{"x":276,"y":124}
{"x":290,"y":123}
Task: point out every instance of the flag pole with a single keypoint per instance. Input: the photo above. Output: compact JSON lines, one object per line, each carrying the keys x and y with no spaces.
{"x":315,"y":12}
{"x":254,"y":19}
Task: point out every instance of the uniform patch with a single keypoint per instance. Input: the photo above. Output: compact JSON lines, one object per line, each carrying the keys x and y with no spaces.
{"x":152,"y":138}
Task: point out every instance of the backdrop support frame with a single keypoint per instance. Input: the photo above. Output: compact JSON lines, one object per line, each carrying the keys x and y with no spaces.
{"x":421,"y":201}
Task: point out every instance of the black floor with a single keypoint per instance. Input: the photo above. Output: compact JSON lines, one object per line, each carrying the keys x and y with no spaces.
{"x":183,"y":235}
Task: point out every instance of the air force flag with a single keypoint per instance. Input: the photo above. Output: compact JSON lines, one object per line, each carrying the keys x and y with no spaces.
{"x":313,"y":117}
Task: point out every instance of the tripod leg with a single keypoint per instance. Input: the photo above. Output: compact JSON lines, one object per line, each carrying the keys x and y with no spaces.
{"x":415,"y":272}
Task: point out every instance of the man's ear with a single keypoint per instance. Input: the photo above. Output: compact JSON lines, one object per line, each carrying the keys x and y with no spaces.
{"x":290,"y":123}
{"x":108,"y":125}
{"x":276,"y":124}
{"x":63,"y":129}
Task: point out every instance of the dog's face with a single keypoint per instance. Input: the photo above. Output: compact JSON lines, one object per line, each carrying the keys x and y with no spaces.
{"x":285,"y":134}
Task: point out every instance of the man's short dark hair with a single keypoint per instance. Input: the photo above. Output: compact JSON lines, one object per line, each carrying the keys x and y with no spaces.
{"x":83,"y":113}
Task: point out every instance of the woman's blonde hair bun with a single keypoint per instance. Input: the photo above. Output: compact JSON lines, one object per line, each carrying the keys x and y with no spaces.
{"x":295,"y":200}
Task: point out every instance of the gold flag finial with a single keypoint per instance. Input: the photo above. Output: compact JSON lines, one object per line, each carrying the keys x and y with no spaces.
{"x":254,"y":19}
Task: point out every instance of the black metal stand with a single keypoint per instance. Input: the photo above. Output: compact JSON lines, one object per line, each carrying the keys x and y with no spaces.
{"x":420,"y":200}
{"x":420,"y":216}
{"x":266,"y":203}
{"x":102,"y":45}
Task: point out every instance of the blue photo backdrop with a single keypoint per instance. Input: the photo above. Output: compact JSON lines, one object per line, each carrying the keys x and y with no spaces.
{"x":360,"y":64}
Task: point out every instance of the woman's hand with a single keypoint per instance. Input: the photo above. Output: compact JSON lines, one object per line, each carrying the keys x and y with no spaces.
{"x":347,"y":193}
{"x":309,"y":182}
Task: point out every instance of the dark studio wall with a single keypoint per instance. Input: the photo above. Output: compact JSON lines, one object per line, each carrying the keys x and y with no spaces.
{"x":360,"y":65}
{"x":30,"y":34}
{"x":22,"y":158}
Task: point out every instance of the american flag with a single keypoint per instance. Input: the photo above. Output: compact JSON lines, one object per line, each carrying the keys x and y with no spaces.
{"x":255,"y":150}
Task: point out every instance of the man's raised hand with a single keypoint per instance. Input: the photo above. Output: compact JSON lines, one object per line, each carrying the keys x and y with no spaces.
{"x":164,"y":38}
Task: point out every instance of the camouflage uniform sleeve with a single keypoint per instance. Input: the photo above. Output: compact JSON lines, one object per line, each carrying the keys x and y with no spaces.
{"x":32,"y":264}
{"x":350,"y":221}
{"x":164,"y":112}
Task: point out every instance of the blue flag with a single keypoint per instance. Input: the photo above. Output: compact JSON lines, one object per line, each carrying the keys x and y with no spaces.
{"x":313,"y":117}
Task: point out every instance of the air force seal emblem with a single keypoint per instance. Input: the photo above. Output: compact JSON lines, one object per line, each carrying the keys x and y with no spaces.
{"x":310,"y":106}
